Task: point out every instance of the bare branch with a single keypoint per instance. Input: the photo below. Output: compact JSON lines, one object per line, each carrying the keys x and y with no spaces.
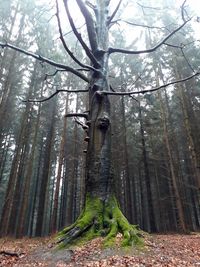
{"x":82,"y":115}
{"x":60,"y":70}
{"x":45,"y":60}
{"x":134,"y":99}
{"x":80,"y":39}
{"x":78,"y":28}
{"x":93,"y":7}
{"x":183,"y":11}
{"x":54,"y":94}
{"x":114,"y":12}
{"x":140,"y":25}
{"x":84,"y":126}
{"x":149,"y":90}
{"x":52,"y":74}
{"x":89,"y":24}
{"x":186,"y":59}
{"x":125,"y":51}
{"x":181,"y":47}
{"x":64,"y":43}
{"x":78,"y":122}
{"x":172,"y":45}
{"x":148,"y":7}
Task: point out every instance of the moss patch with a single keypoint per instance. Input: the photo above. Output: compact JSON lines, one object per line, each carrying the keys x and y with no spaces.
{"x":100,"y":218}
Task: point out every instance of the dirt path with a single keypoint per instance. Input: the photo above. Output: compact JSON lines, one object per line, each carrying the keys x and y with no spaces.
{"x":160,"y":250}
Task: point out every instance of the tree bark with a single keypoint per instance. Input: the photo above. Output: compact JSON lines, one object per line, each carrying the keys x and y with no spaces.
{"x":54,"y":218}
{"x":101,"y":213}
{"x":46,"y":172}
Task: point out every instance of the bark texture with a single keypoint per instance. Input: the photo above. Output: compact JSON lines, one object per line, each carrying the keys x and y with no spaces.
{"x":100,"y":218}
{"x":101,"y":214}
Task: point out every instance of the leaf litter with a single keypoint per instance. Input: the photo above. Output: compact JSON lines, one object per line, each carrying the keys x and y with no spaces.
{"x":170,"y":250}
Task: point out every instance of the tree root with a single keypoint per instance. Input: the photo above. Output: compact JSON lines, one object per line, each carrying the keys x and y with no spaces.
{"x":100,"y":219}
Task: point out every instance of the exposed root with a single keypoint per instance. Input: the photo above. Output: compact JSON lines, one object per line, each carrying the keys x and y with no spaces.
{"x":100,"y":219}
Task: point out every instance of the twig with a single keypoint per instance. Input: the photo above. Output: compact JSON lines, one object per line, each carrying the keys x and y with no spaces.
{"x":126,"y":51}
{"x":45,"y":60}
{"x":82,"y":115}
{"x":148,"y":7}
{"x":186,"y":59}
{"x":11,"y":253}
{"x":54,"y":94}
{"x":149,"y":90}
{"x":53,"y":74}
{"x":140,"y":25}
{"x":91,"y":28}
{"x":64,"y":43}
{"x":84,"y":126}
{"x":80,"y":39}
{"x":181,"y":47}
{"x":183,"y":10}
{"x":93,"y":7}
{"x":114,"y":12}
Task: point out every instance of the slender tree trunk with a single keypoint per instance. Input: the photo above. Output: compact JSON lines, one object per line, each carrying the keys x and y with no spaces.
{"x":34,"y":191}
{"x":148,"y":205}
{"x":191,"y":145}
{"x":45,"y":174}
{"x":129,"y":182}
{"x":14,"y":179}
{"x":180,"y":211}
{"x":59,"y":172}
{"x":22,"y":222}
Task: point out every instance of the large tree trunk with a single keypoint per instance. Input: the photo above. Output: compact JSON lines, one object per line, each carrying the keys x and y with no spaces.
{"x":101,"y":214}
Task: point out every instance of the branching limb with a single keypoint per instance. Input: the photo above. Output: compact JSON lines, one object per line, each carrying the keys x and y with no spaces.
{"x":125,"y":51}
{"x":181,"y":47}
{"x":183,"y":11}
{"x":45,"y":60}
{"x":114,"y":12}
{"x":52,"y":74}
{"x":149,"y":90}
{"x":80,"y":39}
{"x":84,"y":126}
{"x":186,"y":59}
{"x":93,"y":7}
{"x":90,"y":25}
{"x":64,"y":43}
{"x":148,"y":7}
{"x":54,"y":94}
{"x":82,"y":115}
{"x":139,"y":25}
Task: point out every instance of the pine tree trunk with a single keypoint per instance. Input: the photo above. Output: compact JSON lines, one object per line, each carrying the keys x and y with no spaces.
{"x":148,"y":204}
{"x":54,"y":218}
{"x":45,"y":174}
{"x":179,"y":206}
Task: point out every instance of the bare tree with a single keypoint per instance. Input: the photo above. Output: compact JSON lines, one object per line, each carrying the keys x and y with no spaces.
{"x":101,"y":214}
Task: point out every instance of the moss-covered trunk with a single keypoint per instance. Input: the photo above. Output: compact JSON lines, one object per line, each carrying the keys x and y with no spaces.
{"x":100,"y":218}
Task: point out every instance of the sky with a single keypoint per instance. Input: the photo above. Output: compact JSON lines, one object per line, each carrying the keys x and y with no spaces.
{"x":194,"y":6}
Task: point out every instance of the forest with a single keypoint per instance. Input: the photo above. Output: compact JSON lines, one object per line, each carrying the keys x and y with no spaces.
{"x":99,"y":119}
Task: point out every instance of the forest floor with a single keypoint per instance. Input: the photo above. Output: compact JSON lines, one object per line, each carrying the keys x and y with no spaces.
{"x":159,"y":250}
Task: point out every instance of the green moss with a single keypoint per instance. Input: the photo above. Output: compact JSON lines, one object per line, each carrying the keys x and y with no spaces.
{"x":101,"y":218}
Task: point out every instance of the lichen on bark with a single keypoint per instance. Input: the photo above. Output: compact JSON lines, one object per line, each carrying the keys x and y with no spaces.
{"x":100,"y":218}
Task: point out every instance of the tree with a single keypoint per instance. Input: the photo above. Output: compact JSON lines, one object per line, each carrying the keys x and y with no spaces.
{"x":101,"y":213}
